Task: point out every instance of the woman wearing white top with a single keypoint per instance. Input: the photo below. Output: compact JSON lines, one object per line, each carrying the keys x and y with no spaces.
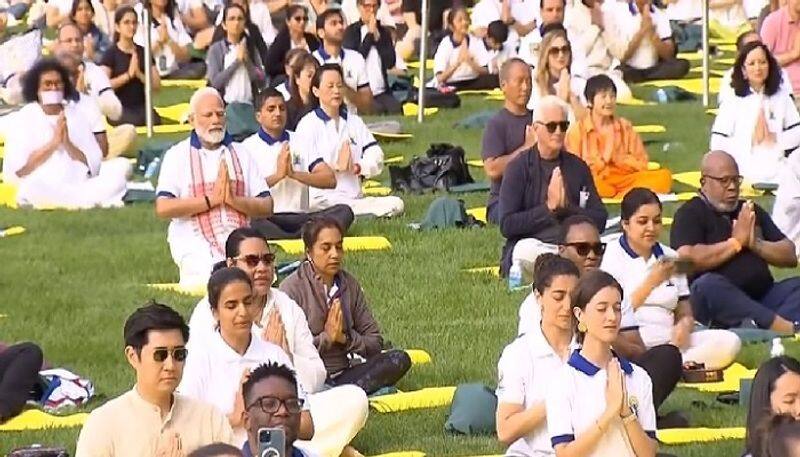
{"x":528,"y":362}
{"x":656,"y":292}
{"x":52,"y":155}
{"x":599,"y":404}
{"x":553,"y":74}
{"x":169,"y":41}
{"x":461,"y":59}
{"x":761,"y":123}
{"x":786,"y":210}
{"x":339,"y":413}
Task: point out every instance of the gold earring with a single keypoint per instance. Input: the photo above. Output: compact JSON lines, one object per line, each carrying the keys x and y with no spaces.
{"x":582,"y":327}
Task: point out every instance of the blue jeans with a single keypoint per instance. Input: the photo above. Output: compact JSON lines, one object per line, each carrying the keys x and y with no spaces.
{"x":718,"y":303}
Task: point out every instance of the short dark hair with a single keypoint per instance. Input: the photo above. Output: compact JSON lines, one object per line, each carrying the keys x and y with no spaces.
{"x":547,"y":28}
{"x":548,"y":266}
{"x":265,"y":371}
{"x":498,"y":31}
{"x":781,"y":436}
{"x":216,"y":450}
{"x":317,"y":79}
{"x":596,"y":84}
{"x":541,"y":5}
{"x":506,"y":67}
{"x":588,"y":286}
{"x":220,"y":279}
{"x":312,"y":228}
{"x":262,"y":97}
{"x":237,"y":236}
{"x":328,"y":13}
{"x":76,"y":4}
{"x":635,"y":199}
{"x":31,"y":80}
{"x":760,"y":405}
{"x":152,"y":316}
{"x":572,"y":221}
{"x":740,"y":85}
{"x":740,"y":39}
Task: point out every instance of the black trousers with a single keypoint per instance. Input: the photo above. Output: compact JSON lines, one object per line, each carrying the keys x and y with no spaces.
{"x":664,"y":69}
{"x":664,"y":364}
{"x":482,"y":82}
{"x":194,"y":69}
{"x":385,"y":103}
{"x":19,"y":373}
{"x":282,"y":226}
{"x":135,"y":115}
{"x":382,"y":370}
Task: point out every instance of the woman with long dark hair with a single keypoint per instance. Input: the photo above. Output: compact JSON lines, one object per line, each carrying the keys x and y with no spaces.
{"x":95,"y":42}
{"x":170,"y":42}
{"x":292,"y":36}
{"x":775,"y":390}
{"x":301,"y":99}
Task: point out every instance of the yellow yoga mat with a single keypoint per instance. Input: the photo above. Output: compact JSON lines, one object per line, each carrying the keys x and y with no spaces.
{"x":8,"y":195}
{"x":166,"y":128}
{"x":692,"y":178}
{"x":416,"y":65}
{"x":34,"y":419}
{"x":477,"y":163}
{"x":351,"y":243}
{"x":488,"y":92}
{"x":431,"y":397}
{"x":177,"y":113}
{"x":371,"y":183}
{"x":679,"y":197}
{"x":478,"y":213}
{"x":2,"y":151}
{"x":419,"y":357}
{"x":492,"y":271}
{"x":699,"y":435}
{"x":652,"y":166}
{"x":394,"y":159}
{"x":730,"y":383}
{"x":190,"y":83}
{"x":694,"y":85}
{"x":712,"y":111}
{"x":726,"y":61}
{"x":391,"y":136}
{"x":198,"y":291}
{"x":376,"y":191}
{"x":649,"y":129}
{"x":402,"y":454}
{"x":411,"y":109}
{"x":11,"y":231}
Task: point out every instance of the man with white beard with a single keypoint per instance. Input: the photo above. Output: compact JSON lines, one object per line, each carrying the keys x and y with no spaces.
{"x":207,"y":188}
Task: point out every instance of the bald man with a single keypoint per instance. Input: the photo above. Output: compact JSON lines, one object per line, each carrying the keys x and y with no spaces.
{"x":732,"y":243}
{"x":207,"y":188}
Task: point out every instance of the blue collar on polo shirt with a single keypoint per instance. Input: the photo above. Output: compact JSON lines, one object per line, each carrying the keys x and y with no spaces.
{"x":194,"y":140}
{"x":269,"y":139}
{"x":580,"y":363}
{"x":455,"y":45}
{"x":325,"y":56}
{"x":658,"y":251}
{"x":324,"y":116}
{"x":634,"y":10}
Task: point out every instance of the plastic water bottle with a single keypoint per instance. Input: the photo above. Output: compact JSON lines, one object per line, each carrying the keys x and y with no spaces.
{"x":661,"y":96}
{"x":515,"y":276}
{"x":777,"y":348}
{"x":152,"y":167}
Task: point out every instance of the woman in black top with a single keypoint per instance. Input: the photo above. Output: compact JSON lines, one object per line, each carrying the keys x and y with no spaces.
{"x":302,"y":69}
{"x":254,"y":37}
{"x":124,"y":65}
{"x":290,"y":37}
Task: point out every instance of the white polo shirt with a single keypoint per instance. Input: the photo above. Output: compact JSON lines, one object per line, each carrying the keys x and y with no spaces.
{"x":175,"y":181}
{"x":165,"y":59}
{"x":524,"y":370}
{"x":374,"y":67}
{"x":87,"y":105}
{"x":288,"y":195}
{"x":213,"y":372}
{"x":447,"y":55}
{"x":622,"y":21}
{"x":530,"y":314}
{"x":656,"y":315}
{"x":353,"y":66}
{"x":96,"y":79}
{"x":318,"y":134}
{"x":576,"y":398}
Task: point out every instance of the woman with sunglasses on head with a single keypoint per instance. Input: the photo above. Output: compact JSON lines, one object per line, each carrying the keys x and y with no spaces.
{"x":345,"y":332}
{"x":461,"y":59}
{"x":775,"y":390}
{"x":760,"y":124}
{"x":279,"y":320}
{"x":528,"y":362}
{"x":599,"y":404}
{"x":656,"y":288}
{"x":552,"y":75}
{"x":292,"y":36}
{"x":608,"y":144}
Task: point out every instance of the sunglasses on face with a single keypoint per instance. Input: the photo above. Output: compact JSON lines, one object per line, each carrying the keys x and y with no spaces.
{"x":271,"y":405}
{"x":555,"y":50}
{"x":178,"y":354}
{"x":583,"y":249}
{"x":726,"y":181}
{"x":300,"y":18}
{"x":552,"y":126}
{"x":252,"y":260}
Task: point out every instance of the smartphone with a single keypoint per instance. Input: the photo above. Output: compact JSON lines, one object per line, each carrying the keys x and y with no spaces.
{"x":682,"y":266}
{"x":271,"y":442}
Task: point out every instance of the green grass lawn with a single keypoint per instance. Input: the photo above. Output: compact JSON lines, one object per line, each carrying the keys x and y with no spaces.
{"x":72,"y":279}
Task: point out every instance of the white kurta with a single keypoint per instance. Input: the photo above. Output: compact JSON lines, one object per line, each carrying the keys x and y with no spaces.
{"x":60,"y":181}
{"x":733,"y":129}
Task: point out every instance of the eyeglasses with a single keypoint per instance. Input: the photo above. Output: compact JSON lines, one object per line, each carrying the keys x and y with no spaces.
{"x":300,"y":18}
{"x":583,"y":248}
{"x":555,"y":50}
{"x":271,"y":405}
{"x":178,"y":354}
{"x":551,"y":126}
{"x":727,"y":180}
{"x":252,"y":260}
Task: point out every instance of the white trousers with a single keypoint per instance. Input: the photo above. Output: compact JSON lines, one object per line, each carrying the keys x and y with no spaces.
{"x":195,"y":269}
{"x":106,"y":189}
{"x":715,"y":348}
{"x":376,"y":206}
{"x":339,"y":414}
{"x":526,"y":251}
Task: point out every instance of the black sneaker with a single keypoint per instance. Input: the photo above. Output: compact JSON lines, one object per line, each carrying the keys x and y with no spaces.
{"x":673,"y":419}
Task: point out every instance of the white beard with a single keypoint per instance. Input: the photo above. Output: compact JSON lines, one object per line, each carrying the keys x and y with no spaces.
{"x":212,"y":136}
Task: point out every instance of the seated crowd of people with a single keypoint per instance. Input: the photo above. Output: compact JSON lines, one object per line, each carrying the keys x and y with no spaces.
{"x":612,"y":320}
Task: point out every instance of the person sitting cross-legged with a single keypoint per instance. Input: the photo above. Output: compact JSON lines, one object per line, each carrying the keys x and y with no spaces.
{"x":461,"y":59}
{"x":541,"y":187}
{"x":608,"y":144}
{"x":19,"y":374}
{"x":207,"y":187}
{"x":151,"y":419}
{"x":732,"y":243}
{"x":289,"y":172}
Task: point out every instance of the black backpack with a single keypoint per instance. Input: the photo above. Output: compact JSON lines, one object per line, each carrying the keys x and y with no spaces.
{"x":442,"y":167}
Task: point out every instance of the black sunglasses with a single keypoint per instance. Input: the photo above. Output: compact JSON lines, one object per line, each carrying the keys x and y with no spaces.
{"x":552,"y":126}
{"x":726,"y":181}
{"x":178,"y":354}
{"x":555,"y":50}
{"x":271,"y":405}
{"x":252,"y":260}
{"x":583,"y":248}
{"x":300,"y":18}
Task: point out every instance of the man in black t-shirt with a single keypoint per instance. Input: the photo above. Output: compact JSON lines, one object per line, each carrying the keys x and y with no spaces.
{"x":732,"y":243}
